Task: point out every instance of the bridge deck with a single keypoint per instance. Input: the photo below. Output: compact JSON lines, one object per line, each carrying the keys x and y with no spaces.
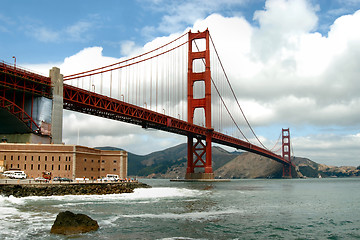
{"x":84,"y":101}
{"x":80,"y":100}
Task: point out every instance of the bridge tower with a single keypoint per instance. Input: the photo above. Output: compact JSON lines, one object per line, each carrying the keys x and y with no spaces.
{"x":201,"y":149}
{"x":286,"y":153}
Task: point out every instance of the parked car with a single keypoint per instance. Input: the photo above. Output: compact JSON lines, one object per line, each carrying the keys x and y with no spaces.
{"x":64,"y":179}
{"x":41,"y":179}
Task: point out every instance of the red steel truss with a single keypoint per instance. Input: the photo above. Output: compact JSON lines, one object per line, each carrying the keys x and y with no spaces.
{"x":18,"y":79}
{"x":18,"y":83}
{"x":18,"y":86}
{"x":19,"y":113}
{"x":84,"y":101}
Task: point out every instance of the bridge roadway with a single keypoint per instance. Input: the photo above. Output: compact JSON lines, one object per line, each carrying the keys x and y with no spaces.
{"x":80,"y":100}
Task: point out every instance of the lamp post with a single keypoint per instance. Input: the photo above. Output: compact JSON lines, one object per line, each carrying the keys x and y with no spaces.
{"x":14,"y":61}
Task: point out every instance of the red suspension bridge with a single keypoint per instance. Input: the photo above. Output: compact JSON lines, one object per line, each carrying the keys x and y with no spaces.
{"x":180,"y":87}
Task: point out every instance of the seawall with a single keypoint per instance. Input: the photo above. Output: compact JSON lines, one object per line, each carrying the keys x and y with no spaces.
{"x":48,"y":189}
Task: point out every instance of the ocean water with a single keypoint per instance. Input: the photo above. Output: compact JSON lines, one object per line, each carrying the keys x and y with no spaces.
{"x":240,"y":209}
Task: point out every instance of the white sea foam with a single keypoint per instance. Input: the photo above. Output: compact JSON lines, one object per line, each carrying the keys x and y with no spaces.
{"x":138,"y":194}
{"x":11,"y":200}
{"x":206,"y":215}
{"x":162,"y":192}
{"x":13,"y":218}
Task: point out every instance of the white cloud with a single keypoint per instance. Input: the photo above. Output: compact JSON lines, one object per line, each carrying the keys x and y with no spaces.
{"x":179,"y":15}
{"x":78,"y":31}
{"x":330,"y":149}
{"x":280,"y":25}
{"x":129,"y":48}
{"x":44,"y":34}
{"x":283,"y":72}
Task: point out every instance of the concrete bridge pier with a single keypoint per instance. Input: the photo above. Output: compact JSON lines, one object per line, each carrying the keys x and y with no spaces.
{"x":57,"y":82}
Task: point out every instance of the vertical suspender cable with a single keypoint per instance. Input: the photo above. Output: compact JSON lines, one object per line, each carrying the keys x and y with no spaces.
{"x":110,"y":83}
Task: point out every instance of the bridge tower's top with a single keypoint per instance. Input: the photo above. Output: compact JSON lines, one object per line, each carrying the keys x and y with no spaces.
{"x":193,"y":77}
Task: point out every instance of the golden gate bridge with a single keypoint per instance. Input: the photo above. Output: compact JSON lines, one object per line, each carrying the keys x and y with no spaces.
{"x":179,"y":87}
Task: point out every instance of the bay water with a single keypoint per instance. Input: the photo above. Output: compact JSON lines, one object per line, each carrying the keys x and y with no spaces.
{"x":240,"y":209}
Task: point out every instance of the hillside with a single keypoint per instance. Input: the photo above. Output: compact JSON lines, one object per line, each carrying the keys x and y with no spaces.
{"x":172,"y":162}
{"x":249,"y":165}
{"x":312,"y":169}
{"x":169,"y":161}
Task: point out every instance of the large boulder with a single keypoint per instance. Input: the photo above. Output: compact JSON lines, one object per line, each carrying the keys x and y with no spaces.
{"x":68,"y":223}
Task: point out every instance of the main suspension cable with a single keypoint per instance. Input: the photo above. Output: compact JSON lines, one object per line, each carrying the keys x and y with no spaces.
{"x":222,"y":100}
{"x":232,"y":90}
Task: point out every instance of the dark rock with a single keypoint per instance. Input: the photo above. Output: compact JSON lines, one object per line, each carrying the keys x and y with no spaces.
{"x":68,"y":223}
{"x":24,"y":190}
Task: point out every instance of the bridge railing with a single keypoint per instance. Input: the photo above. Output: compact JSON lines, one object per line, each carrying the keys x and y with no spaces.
{"x":23,"y":72}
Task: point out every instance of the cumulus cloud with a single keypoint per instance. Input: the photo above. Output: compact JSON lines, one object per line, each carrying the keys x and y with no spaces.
{"x":129,"y":48}
{"x":79,"y":129}
{"x":283,"y":71}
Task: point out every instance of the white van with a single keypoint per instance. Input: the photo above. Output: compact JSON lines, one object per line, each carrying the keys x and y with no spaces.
{"x":110,"y":177}
{"x":15,"y":174}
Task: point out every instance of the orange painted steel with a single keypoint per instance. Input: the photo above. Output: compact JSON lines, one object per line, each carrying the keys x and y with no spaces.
{"x":205,"y":158}
{"x":20,"y":114}
{"x":18,"y":79}
{"x":17,"y":84}
{"x":84,"y":101}
{"x":286,"y":154}
{"x":14,"y":79}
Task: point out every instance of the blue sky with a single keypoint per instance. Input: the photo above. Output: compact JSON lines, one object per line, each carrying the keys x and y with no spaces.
{"x":305,"y":51}
{"x":43,"y":31}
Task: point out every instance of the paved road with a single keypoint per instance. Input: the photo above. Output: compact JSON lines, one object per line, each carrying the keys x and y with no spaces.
{"x":20,"y":181}
{"x":32,"y":181}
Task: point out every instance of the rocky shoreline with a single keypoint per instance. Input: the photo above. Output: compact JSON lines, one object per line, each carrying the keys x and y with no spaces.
{"x":48,"y":189}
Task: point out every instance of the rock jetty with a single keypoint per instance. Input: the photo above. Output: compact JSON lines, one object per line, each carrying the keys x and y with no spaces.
{"x":68,"y":223}
{"x":47,"y":189}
